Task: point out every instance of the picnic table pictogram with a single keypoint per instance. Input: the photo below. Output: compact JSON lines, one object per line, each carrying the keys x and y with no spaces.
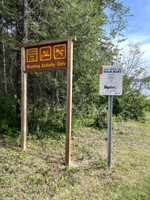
{"x":32,"y":55}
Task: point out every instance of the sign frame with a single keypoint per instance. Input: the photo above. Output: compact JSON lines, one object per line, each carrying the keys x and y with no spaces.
{"x":69,"y":45}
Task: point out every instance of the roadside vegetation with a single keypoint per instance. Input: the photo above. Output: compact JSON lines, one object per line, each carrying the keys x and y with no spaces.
{"x":29,"y":21}
{"x":39,"y":172}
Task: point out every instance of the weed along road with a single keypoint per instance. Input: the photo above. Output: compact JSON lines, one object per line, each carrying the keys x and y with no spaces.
{"x":74,"y":100}
{"x":39,"y":173}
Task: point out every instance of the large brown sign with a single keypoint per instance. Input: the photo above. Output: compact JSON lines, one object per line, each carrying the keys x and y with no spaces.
{"x":41,"y":56}
{"x":46,"y":57}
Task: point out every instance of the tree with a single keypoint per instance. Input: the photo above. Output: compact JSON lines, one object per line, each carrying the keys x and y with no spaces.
{"x":52,"y":19}
{"x":135,"y":69}
{"x":133,"y":103}
{"x":3,"y":53}
{"x":132,"y":61}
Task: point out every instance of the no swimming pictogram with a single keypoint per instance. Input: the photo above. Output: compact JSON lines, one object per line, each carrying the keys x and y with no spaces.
{"x":45,"y":53}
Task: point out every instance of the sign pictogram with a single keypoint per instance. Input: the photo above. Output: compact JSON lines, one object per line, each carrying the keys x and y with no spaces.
{"x":32,"y":55}
{"x":45,"y":53}
{"x":60,"y":51}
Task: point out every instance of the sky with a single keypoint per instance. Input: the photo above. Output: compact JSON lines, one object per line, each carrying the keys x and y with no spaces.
{"x":138,"y":30}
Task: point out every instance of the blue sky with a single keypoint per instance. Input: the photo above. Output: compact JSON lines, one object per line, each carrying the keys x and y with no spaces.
{"x":138,"y":30}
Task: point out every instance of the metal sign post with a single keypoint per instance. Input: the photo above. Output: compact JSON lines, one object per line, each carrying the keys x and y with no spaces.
{"x":110,"y":84}
{"x":110,"y":108}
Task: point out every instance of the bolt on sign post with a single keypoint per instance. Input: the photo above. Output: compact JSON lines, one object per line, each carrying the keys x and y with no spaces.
{"x":110,"y":84}
{"x":56,"y":54}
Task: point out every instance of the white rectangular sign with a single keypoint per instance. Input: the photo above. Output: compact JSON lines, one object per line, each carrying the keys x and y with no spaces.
{"x":111,"y":80}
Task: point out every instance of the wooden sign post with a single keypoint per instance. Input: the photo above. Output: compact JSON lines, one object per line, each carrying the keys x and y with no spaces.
{"x":23,"y":100}
{"x":69,"y":103}
{"x":56,"y":54}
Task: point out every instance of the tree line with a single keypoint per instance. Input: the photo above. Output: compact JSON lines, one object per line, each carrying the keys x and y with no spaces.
{"x":96,"y":24}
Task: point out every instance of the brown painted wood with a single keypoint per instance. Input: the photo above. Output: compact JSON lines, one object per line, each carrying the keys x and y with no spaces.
{"x":44,"y":42}
{"x":69,"y":103}
{"x":23,"y":100}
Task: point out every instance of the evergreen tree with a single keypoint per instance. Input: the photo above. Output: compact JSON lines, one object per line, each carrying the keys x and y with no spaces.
{"x":30,"y":20}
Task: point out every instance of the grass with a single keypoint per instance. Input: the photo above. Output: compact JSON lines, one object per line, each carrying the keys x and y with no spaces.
{"x":39,"y":172}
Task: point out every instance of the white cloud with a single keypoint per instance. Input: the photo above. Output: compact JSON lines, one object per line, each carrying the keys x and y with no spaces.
{"x":145,"y":48}
{"x":135,"y":38}
{"x":144,"y":41}
{"x":138,"y":38}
